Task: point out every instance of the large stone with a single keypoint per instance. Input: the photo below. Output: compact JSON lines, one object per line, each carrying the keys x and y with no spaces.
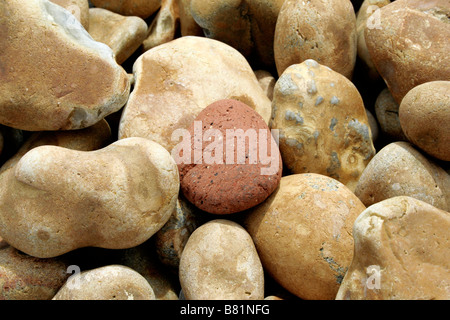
{"x":140,"y":8}
{"x":401,"y":252}
{"x":54,"y":76}
{"x":411,"y":46}
{"x":177,"y":80}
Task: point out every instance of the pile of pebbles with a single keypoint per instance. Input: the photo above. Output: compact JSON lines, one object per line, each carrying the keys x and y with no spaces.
{"x":224,"y":150}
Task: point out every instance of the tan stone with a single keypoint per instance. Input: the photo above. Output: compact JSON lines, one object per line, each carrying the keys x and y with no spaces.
{"x":220,"y":262}
{"x":57,"y":200}
{"x":177,"y":80}
{"x":112,"y":282}
{"x":23,"y":277}
{"x":140,"y":8}
{"x":322,"y":30}
{"x":373,"y":124}
{"x":401,"y":253}
{"x":164,"y":27}
{"x":322,"y":123}
{"x":266,"y":81}
{"x":78,"y":8}
{"x":386,"y":111}
{"x":247,"y":26}
{"x":54,"y":76}
{"x":411,"y":46}
{"x":188,"y":26}
{"x":303,"y":234}
{"x":424,"y":115}
{"x":400,"y":170}
{"x":123,"y":34}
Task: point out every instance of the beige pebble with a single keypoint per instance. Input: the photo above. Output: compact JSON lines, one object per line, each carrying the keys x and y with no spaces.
{"x":266,"y":81}
{"x":78,"y":8}
{"x":401,"y":253}
{"x":139,"y":8}
{"x":220,"y":262}
{"x":386,"y":112}
{"x":188,"y":26}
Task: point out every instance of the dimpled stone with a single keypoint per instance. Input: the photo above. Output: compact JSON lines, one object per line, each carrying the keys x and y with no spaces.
{"x":230,"y":177}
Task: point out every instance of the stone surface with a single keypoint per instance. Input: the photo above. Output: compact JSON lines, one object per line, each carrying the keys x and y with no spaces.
{"x":399,"y":169}
{"x":164,"y":26}
{"x":373,"y":124}
{"x":113,"y":282}
{"x":57,"y":200}
{"x":401,"y":253}
{"x":78,"y":8}
{"x":188,"y":26}
{"x":411,"y":46}
{"x":321,"y":30}
{"x":23,"y":277}
{"x":50,"y":68}
{"x":266,"y":81}
{"x":247,"y":26}
{"x":424,"y":115}
{"x":303,"y":234}
{"x":322,"y":123}
{"x":386,"y":112}
{"x":220,"y":262}
{"x":123,"y":34}
{"x":177,"y":80}
{"x":140,"y":8}
{"x":229,"y":172}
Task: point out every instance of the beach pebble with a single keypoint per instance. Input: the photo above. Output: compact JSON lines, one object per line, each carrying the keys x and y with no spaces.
{"x":399,"y":169}
{"x":266,"y":81}
{"x":229,"y":161}
{"x":411,"y":45}
{"x":188,"y":26}
{"x":386,"y":112}
{"x":324,"y":31}
{"x":112,"y":282}
{"x":123,"y":34}
{"x":140,"y":8}
{"x":220,"y":262}
{"x":401,"y":253}
{"x":176,"y":80}
{"x":303,"y":234}
{"x":424,"y":115}
{"x":23,"y":277}
{"x":57,"y":199}
{"x":78,"y":8}
{"x":322,"y":123}
{"x":54,"y":75}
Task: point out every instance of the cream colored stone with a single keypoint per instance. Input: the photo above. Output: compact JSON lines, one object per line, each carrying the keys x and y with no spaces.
{"x":177,"y":80}
{"x":164,"y":26}
{"x":220,"y":262}
{"x":78,"y":8}
{"x":424,"y":115}
{"x":322,"y":123}
{"x":266,"y":81}
{"x":54,"y":75}
{"x":57,"y":200}
{"x":303,"y":234}
{"x":123,"y":34}
{"x":400,"y":170}
{"x":322,"y":30}
{"x":140,"y":8}
{"x":386,"y":111}
{"x":112,"y":282}
{"x":401,"y":253}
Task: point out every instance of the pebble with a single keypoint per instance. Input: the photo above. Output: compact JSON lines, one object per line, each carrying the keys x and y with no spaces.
{"x":78,"y":8}
{"x":386,"y":112}
{"x":139,"y":8}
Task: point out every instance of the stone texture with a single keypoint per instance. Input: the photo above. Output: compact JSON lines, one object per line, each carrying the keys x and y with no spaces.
{"x":188,"y":26}
{"x":386,"y":111}
{"x":113,"y":282}
{"x":78,"y":8}
{"x":322,"y":123}
{"x":57,"y":200}
{"x":322,"y":30}
{"x":266,"y":81}
{"x":140,"y":8}
{"x":303,"y":234}
{"x":399,"y":169}
{"x":177,"y":80}
{"x":123,"y":34}
{"x":50,"y":70}
{"x":401,"y":253}
{"x":424,"y":115}
{"x":220,"y":262}
{"x":412,"y":45}
{"x":23,"y":277}
{"x":232,"y":172}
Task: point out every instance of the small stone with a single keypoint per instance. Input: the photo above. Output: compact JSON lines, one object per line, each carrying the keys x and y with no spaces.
{"x":401,"y":253}
{"x":386,"y":111}
{"x":266,"y":81}
{"x":188,"y":26}
{"x":139,"y":8}
{"x":220,"y":262}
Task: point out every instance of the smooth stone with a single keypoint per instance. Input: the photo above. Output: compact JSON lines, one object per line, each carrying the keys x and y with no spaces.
{"x":386,"y":112}
{"x":266,"y":81}
{"x":188,"y":26}
{"x":220,"y":262}
{"x":401,"y":253}
{"x":54,"y":75}
{"x":139,"y":8}
{"x":78,"y":8}
{"x":123,"y":34}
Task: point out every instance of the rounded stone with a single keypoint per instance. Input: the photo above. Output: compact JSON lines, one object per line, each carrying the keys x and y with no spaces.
{"x":222,"y":167}
{"x":139,"y":8}
{"x":386,"y":112}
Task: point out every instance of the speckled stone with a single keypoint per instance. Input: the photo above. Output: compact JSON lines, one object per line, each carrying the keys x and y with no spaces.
{"x":230,"y":186}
